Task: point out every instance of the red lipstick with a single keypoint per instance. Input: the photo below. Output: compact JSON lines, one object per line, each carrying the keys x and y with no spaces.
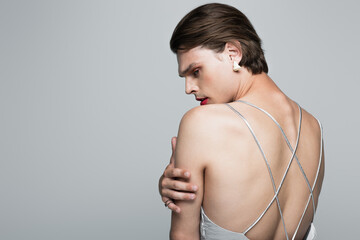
{"x":203,"y":100}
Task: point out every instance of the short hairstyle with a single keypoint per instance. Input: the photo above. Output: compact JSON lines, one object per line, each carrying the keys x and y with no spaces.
{"x":212,"y":26}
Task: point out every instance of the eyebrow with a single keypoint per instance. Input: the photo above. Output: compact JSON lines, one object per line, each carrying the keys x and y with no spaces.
{"x":183,"y":73}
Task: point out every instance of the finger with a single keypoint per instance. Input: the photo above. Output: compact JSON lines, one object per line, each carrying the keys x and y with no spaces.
{"x":178,"y":195}
{"x":172,"y":172}
{"x":173,"y":143}
{"x":173,"y":207}
{"x":173,"y":146}
{"x":178,"y":185}
{"x":164,"y":199}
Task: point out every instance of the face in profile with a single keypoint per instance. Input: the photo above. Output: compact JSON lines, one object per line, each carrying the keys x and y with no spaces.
{"x":208,"y":75}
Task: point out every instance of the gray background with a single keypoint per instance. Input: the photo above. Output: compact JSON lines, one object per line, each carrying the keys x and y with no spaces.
{"x":90,"y":97}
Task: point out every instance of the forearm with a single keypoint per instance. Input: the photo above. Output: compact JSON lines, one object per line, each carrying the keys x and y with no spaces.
{"x":183,"y":233}
{"x":181,"y":236}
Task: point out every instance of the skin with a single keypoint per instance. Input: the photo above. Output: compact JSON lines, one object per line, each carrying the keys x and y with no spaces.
{"x":173,"y":184}
{"x":213,"y":142}
{"x":170,"y":185}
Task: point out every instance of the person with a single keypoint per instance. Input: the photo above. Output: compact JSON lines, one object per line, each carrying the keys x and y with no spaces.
{"x":248,"y":163}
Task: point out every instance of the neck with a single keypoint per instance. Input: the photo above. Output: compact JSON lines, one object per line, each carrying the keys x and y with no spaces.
{"x":252,"y":85}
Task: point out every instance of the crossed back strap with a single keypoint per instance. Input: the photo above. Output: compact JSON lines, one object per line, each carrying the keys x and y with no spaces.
{"x":293,"y":150}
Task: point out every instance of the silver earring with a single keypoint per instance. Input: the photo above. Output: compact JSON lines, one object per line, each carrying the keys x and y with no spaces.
{"x":236,"y":67}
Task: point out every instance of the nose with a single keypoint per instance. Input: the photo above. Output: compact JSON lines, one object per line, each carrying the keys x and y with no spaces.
{"x":190,"y":86}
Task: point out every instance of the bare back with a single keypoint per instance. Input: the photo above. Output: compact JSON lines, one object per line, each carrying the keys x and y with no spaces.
{"x":246,"y":144}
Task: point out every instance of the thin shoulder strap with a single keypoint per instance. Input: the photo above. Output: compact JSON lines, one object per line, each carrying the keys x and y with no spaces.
{"x":268,"y":167}
{"x":316,"y":177}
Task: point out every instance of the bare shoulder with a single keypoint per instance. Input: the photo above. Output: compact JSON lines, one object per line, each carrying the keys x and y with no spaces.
{"x":203,"y":129}
{"x":312,"y":124}
{"x":206,"y":111}
{"x":208,"y":121}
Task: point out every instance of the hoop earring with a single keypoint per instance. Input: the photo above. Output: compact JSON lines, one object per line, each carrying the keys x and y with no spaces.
{"x":236,"y":67}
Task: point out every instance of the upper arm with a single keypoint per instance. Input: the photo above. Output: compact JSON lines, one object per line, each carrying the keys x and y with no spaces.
{"x":191,"y":153}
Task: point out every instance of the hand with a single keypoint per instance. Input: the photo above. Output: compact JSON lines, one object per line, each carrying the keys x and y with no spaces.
{"x":173,"y":185}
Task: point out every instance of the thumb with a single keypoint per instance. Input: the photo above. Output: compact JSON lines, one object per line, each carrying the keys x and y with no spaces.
{"x":173,"y":143}
{"x":173,"y":146}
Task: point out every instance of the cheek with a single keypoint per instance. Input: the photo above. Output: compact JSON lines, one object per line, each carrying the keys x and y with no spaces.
{"x":207,"y":79}
{"x":217,"y":79}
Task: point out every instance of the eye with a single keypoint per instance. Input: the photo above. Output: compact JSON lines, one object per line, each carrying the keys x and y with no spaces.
{"x":196,"y":72}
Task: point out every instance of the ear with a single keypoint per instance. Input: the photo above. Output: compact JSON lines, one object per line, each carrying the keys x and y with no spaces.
{"x":233,"y":51}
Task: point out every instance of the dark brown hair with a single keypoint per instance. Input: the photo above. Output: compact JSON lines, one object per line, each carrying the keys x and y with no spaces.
{"x":212,"y":26}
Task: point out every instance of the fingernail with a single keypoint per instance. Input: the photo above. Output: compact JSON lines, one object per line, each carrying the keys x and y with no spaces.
{"x":187,"y":174}
{"x":178,"y":210}
{"x":192,"y":196}
{"x":194,"y":188}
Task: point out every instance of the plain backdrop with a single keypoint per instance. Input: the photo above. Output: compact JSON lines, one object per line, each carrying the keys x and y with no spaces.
{"x":90,"y":97}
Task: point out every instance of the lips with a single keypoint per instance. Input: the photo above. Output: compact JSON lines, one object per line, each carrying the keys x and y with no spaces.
{"x":203,"y":100}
